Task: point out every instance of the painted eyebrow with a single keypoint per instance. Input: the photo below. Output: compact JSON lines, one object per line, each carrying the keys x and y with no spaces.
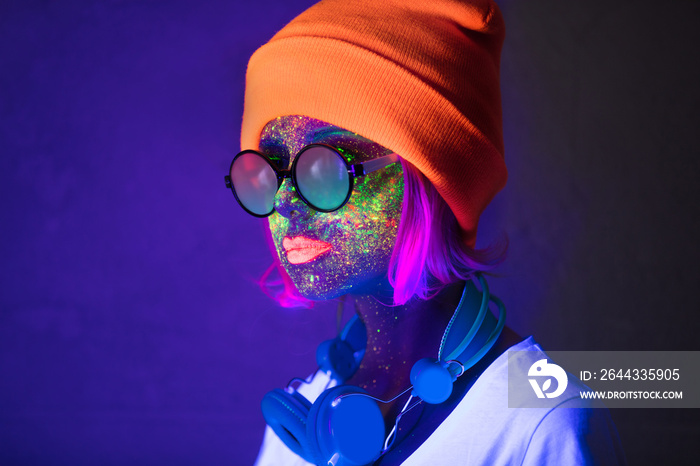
{"x":328,"y":132}
{"x":274,"y":149}
{"x":319,"y":135}
{"x":337,"y":137}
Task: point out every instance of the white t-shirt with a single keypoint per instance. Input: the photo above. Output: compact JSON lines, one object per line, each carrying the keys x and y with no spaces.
{"x":483,"y":430}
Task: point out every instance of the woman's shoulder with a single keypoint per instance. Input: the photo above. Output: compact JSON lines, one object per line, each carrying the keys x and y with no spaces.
{"x":501,"y":419}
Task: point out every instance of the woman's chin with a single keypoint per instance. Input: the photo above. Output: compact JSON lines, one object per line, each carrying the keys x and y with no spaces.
{"x":323,"y":296}
{"x":323,"y":290}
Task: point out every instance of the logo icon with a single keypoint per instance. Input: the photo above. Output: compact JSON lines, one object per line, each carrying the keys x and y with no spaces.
{"x":542,"y":368}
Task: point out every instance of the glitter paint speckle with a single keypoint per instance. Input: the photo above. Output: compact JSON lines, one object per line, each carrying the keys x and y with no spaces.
{"x":362,"y":232}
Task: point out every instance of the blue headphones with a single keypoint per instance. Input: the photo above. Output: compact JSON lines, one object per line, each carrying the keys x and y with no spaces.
{"x":344,"y":426}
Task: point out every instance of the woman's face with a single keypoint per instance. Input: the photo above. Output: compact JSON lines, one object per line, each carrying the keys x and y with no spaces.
{"x":330,"y":254}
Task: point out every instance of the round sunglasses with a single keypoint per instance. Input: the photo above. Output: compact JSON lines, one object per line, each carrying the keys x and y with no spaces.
{"x":322,"y":177}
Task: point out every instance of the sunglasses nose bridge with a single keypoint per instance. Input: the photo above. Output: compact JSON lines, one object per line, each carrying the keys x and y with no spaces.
{"x":288,"y":203}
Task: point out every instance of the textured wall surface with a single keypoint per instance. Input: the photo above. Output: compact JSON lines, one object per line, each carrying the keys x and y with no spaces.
{"x":131,"y":329}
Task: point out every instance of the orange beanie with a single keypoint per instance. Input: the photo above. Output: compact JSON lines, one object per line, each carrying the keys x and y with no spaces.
{"x":420,"y":77}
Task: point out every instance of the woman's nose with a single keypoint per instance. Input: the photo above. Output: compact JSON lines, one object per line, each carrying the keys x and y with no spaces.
{"x":288,"y":203}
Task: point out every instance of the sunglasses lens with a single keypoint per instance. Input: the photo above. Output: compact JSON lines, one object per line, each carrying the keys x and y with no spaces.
{"x":322,"y":177}
{"x":255,"y":183}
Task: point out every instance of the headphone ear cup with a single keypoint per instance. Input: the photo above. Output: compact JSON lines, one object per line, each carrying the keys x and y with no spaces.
{"x":431,"y":380}
{"x":287,"y":413}
{"x":350,"y":428}
{"x":337,"y":357}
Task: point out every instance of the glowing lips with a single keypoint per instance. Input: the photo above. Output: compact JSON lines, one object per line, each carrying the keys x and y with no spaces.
{"x":301,"y":250}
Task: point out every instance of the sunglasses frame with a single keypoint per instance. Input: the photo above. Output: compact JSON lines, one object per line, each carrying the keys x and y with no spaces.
{"x":354,"y":171}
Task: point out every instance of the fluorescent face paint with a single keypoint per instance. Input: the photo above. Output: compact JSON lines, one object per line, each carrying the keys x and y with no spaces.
{"x":347,"y":251}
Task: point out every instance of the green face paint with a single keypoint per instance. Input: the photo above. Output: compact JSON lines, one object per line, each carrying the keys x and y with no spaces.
{"x":345,"y":251}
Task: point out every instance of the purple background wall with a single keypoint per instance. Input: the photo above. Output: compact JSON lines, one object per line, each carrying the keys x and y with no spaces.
{"x":131,"y":331}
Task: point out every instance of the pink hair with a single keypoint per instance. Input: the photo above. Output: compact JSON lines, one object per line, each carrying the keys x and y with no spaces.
{"x":428,"y":253}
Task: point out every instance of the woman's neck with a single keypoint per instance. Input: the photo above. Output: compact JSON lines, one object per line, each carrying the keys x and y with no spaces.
{"x":398,"y":336}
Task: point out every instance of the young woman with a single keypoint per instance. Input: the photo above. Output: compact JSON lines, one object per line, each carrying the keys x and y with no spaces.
{"x":372,"y":143}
